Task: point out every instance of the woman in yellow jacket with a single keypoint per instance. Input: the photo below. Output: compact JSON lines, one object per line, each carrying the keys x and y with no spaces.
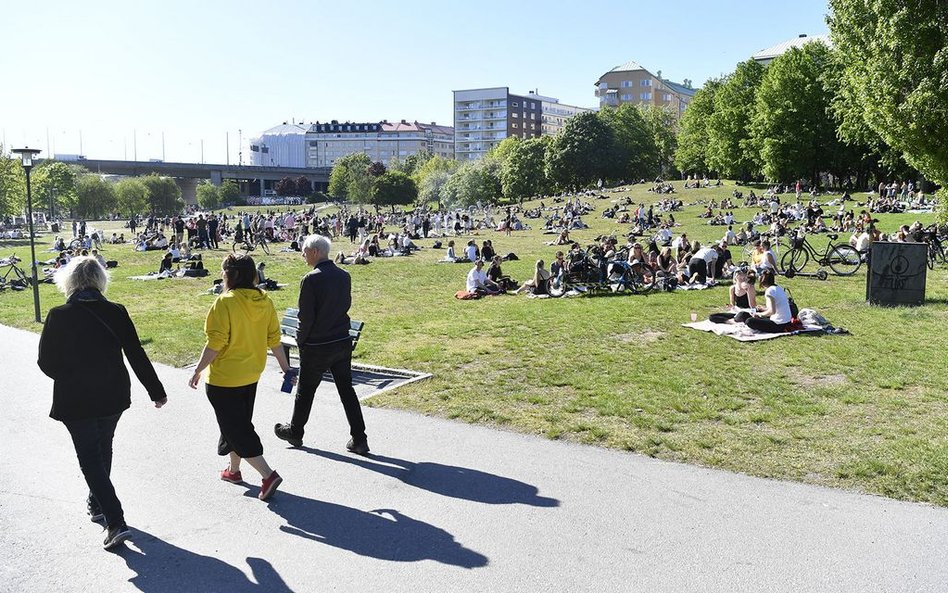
{"x":240,"y":326}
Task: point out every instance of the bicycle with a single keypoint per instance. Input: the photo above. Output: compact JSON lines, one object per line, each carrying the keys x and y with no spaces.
{"x":636,"y":278}
{"x":843,"y":259}
{"x":936,"y":249}
{"x":20,"y":279}
{"x":258,"y":241}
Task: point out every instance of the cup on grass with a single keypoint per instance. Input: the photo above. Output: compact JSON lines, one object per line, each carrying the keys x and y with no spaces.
{"x":694,"y":317}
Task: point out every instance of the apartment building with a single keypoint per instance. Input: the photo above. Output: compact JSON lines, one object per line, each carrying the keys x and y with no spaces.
{"x":381,"y":141}
{"x":631,"y":83}
{"x":484,"y":117}
{"x":767,"y":55}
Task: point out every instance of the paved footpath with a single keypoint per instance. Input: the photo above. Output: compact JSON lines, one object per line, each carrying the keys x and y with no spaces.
{"x":439,"y":506}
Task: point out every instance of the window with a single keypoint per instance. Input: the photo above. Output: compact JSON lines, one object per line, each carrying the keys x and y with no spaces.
{"x":533,"y":105}
{"x":524,"y":115}
{"x":514,"y":124}
{"x":645,"y":96}
{"x":626,"y":84}
{"x":603,"y":85}
{"x":514,"y":104}
{"x":515,"y":114}
{"x":667,"y":97}
{"x":627,"y":97}
{"x":646,"y":82}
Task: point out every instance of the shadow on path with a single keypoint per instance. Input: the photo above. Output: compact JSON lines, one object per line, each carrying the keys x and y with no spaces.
{"x":385,"y":534}
{"x":162,"y":567}
{"x":448,"y":480}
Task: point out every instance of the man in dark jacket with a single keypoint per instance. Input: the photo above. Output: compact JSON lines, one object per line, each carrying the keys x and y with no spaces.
{"x":324,"y":343}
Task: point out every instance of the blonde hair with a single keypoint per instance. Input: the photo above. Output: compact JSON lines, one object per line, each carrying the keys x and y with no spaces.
{"x":81,"y":273}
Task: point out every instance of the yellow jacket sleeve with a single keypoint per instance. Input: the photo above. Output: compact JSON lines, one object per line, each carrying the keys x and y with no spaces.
{"x":217,"y":326}
{"x":273,"y":331}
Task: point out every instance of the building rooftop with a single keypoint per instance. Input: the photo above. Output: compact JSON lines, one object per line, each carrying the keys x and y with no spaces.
{"x":630,"y":66}
{"x":782,"y":48}
{"x":679,"y":88}
{"x":286,"y":129}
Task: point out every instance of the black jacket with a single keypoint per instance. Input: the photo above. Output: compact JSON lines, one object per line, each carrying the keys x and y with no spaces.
{"x":84,"y":359}
{"x":325,"y":298}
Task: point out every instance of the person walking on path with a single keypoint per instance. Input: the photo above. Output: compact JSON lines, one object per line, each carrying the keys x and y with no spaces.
{"x":81,"y":350}
{"x":324,"y":343}
{"x":240,"y":326}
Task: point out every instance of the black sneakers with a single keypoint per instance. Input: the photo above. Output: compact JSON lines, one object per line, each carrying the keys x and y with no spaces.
{"x":283,"y":431}
{"x":116,"y":535}
{"x":360,"y":447}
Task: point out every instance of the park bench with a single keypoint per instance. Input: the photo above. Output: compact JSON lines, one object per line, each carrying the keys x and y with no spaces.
{"x":291,"y":323}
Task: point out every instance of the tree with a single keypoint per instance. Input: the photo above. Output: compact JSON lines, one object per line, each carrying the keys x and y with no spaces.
{"x":633,"y":154}
{"x":131,"y":196}
{"x":393,"y":187}
{"x":521,"y":173}
{"x":349,"y":180}
{"x":164,"y":195}
{"x":286,"y":187}
{"x":793,"y":127}
{"x":12,"y":185}
{"x":474,"y":182}
{"x":228,"y":192}
{"x":55,"y":180}
{"x":411,"y":163}
{"x":730,"y":150}
{"x":304,"y":186}
{"x":691,"y":155}
{"x":208,"y":195}
{"x":581,"y":153}
{"x":94,"y":197}
{"x":376,"y":169}
{"x":895,"y":72}
{"x":663,"y":126}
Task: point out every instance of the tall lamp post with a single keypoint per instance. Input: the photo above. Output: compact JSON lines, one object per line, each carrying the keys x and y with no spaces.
{"x":26,"y":156}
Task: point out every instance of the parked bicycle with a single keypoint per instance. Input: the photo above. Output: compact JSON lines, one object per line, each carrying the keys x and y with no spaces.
{"x":843,"y":259}
{"x":936,"y":248}
{"x":247,"y":246}
{"x":583,"y":269}
{"x":10,"y":268}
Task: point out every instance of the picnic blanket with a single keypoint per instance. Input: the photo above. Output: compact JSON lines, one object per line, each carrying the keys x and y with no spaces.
{"x":695,"y":286}
{"x":812,"y":322}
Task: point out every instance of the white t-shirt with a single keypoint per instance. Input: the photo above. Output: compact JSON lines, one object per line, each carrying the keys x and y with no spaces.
{"x":471,"y":252}
{"x":708,"y":254}
{"x":781,"y":304}
{"x":476,"y":279}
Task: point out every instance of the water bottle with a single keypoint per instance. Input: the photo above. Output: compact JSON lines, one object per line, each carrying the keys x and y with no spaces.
{"x":288,"y":376}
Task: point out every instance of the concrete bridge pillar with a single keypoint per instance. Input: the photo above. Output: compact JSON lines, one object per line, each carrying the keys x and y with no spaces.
{"x":217,"y":178}
{"x":188,"y":189}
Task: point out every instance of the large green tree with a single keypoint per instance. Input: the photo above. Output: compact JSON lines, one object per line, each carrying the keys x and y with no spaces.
{"x":56,"y":181}
{"x":581,"y":153}
{"x":663,"y":126}
{"x":164,"y":195}
{"x":731,"y":151}
{"x":208,"y":195}
{"x":522,"y":173}
{"x":12,"y":185}
{"x":793,"y":126}
{"x":95,"y":197}
{"x":131,"y":197}
{"x":229,"y":192}
{"x":349,"y":179}
{"x":895,"y":57}
{"x":474,"y":182}
{"x":629,"y":151}
{"x":393,"y":188}
{"x":691,"y":154}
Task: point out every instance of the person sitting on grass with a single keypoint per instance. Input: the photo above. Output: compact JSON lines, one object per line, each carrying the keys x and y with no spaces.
{"x":776,"y":316}
{"x":496,"y":275}
{"x":703,"y":265}
{"x":165,"y":267}
{"x":537,"y":284}
{"x":742,"y":294}
{"x":479,"y":283}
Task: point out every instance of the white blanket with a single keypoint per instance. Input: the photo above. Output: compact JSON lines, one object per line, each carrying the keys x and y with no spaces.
{"x":742,"y":333}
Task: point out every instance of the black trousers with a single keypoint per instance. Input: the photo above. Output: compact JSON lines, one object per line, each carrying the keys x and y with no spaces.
{"x":314,"y":361}
{"x":233,"y":407}
{"x":699,"y":266}
{"x":92,"y":438}
{"x":764,"y":325}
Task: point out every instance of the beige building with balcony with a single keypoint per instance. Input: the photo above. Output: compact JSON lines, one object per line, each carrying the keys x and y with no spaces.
{"x":631,"y":83}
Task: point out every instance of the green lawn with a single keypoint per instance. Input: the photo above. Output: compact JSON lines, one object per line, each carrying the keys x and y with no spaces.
{"x":864,"y":411}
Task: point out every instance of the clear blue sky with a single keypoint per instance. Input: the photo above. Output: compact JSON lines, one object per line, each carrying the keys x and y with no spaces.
{"x":197,"y":70}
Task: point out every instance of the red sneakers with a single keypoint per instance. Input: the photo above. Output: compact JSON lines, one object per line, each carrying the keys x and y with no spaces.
{"x":269,"y":486}
{"x":232,"y":477}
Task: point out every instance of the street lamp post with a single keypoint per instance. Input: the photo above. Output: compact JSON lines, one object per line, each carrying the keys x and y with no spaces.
{"x":26,"y":156}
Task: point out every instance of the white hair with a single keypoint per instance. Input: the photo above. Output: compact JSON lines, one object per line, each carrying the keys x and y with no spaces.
{"x":318,"y":243}
{"x":81,"y":273}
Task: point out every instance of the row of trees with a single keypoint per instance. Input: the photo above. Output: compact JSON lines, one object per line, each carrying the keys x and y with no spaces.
{"x":73,"y":190}
{"x":613,"y":145}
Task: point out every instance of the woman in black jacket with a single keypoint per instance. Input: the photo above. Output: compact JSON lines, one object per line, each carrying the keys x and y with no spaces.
{"x":81,"y":350}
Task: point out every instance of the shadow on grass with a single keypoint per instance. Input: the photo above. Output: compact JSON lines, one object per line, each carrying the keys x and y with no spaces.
{"x":161,"y":567}
{"x":448,"y":480}
{"x":25,"y":242}
{"x":385,"y":534}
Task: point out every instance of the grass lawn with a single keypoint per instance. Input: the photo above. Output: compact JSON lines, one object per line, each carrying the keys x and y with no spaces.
{"x":864,"y":411}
